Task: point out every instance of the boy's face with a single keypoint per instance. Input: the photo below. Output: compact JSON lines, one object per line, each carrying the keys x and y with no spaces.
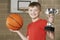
{"x":33,"y":12}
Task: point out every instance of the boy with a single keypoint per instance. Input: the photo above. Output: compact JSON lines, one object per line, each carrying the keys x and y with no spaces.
{"x":36,"y":29}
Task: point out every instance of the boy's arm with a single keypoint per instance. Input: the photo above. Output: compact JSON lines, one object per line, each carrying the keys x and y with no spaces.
{"x":20,"y":34}
{"x":51,"y":35}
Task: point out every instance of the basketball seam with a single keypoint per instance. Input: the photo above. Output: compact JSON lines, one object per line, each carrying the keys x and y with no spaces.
{"x":12,"y":25}
{"x":14,"y":20}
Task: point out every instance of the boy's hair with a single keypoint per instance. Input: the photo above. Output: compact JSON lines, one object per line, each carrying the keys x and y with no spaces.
{"x":38,"y":5}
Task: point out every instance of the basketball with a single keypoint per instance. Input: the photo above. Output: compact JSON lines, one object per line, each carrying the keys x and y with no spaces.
{"x":14,"y":21}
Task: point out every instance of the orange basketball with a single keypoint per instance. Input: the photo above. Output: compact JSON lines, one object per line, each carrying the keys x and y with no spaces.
{"x":14,"y":21}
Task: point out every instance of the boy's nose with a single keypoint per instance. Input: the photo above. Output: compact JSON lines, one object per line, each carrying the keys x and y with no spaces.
{"x":33,"y":11}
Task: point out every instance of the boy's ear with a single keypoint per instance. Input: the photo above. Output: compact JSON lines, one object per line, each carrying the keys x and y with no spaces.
{"x":40,"y":9}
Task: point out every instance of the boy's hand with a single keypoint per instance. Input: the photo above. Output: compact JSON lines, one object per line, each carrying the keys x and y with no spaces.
{"x":51,"y":35}
{"x":51,"y":18}
{"x":19,"y":33}
{"x":50,"y":22}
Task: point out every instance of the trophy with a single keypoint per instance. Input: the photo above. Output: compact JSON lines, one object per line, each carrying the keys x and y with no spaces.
{"x":53,"y":12}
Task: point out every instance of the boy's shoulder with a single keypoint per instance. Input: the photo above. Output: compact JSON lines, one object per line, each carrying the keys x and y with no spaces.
{"x":44,"y":20}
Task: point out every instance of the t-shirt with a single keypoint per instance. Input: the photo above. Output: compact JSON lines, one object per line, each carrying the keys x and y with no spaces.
{"x":36,"y":30}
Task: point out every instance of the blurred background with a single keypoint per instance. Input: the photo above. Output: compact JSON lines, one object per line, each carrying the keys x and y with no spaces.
{"x":5,"y":8}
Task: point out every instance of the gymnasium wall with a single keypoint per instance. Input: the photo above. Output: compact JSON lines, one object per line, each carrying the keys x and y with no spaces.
{"x":5,"y":34}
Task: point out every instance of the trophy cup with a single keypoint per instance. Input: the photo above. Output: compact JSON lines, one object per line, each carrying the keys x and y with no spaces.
{"x":53,"y":12}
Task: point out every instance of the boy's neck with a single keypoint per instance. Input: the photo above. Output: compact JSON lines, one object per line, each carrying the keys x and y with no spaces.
{"x":34,"y":20}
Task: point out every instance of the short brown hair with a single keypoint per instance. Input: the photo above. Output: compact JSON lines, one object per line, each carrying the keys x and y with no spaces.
{"x":37,"y":4}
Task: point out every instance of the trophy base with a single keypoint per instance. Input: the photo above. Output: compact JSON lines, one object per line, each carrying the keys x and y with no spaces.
{"x":49,"y":28}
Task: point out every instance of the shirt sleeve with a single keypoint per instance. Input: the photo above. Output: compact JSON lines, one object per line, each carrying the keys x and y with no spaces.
{"x":44,"y":23}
